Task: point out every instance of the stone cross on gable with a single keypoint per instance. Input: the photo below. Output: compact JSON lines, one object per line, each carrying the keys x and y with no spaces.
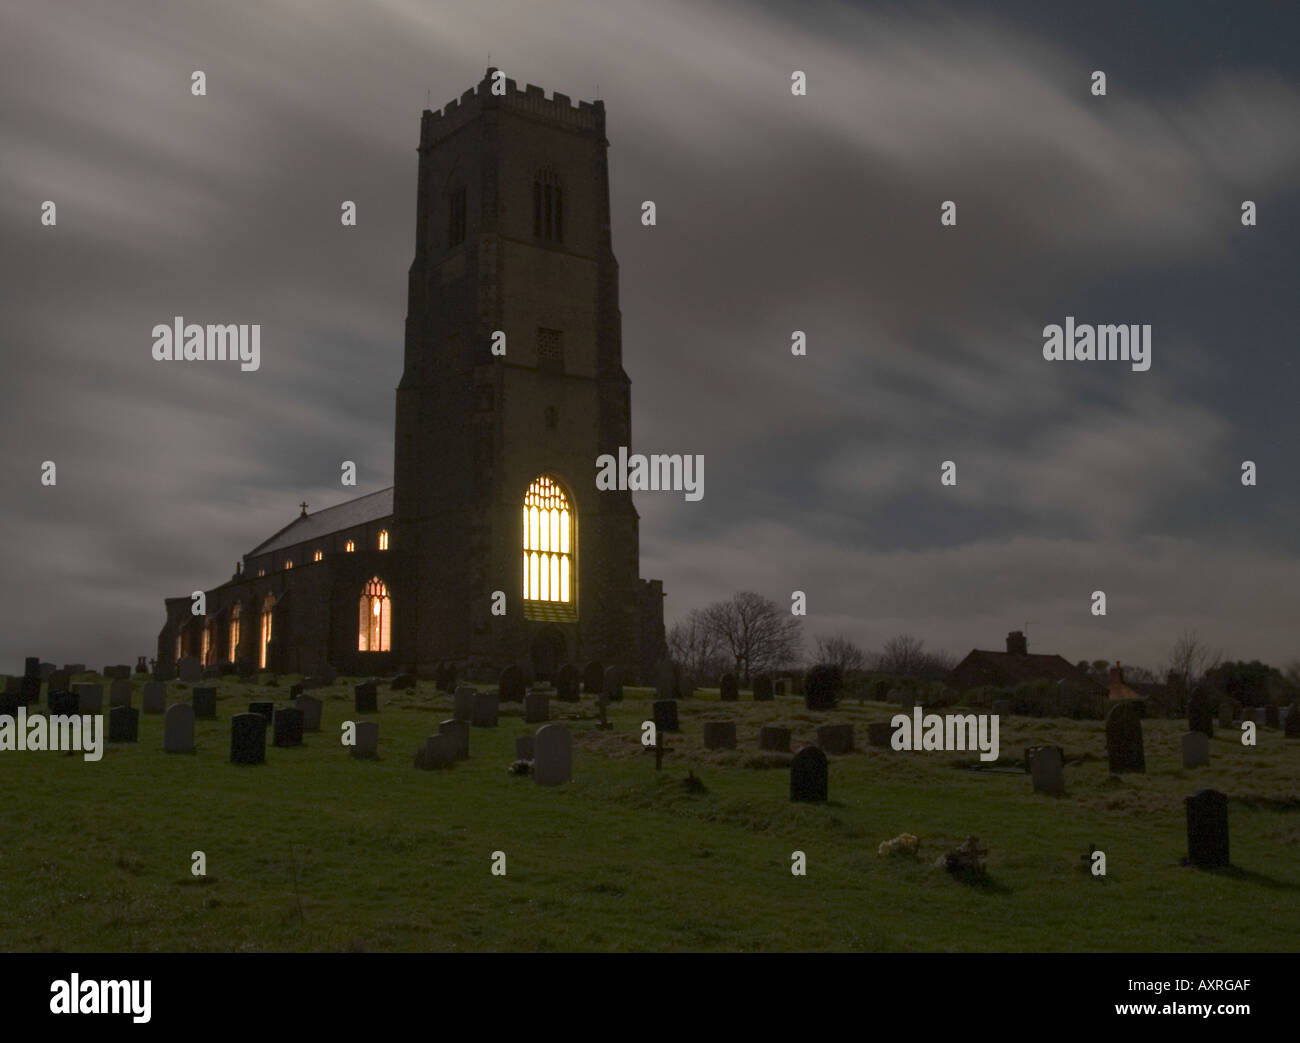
{"x":303,"y":505}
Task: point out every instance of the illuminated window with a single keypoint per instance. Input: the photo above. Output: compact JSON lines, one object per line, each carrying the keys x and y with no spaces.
{"x":268,"y":603}
{"x":208,"y":655}
{"x":383,"y":539}
{"x":288,"y":564}
{"x":261,"y":572}
{"x":317,"y":556}
{"x":375,"y":620}
{"x":234,"y":632}
{"x":548,"y":208}
{"x":349,"y":546}
{"x":180,"y":647}
{"x":548,"y":551}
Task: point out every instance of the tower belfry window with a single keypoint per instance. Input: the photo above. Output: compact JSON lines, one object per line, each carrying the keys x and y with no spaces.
{"x":548,"y":207}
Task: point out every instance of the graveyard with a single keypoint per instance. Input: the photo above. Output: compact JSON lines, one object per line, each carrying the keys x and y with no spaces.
{"x":317,"y":849}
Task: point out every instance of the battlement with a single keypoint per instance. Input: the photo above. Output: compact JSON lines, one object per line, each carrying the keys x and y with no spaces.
{"x":559,"y":108}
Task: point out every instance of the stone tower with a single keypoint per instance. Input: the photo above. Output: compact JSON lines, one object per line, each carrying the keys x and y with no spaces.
{"x":513,"y":237}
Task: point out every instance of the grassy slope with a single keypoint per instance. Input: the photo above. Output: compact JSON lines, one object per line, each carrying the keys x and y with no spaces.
{"x":96,"y":857}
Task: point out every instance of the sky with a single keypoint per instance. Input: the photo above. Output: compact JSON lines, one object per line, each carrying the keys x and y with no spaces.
{"x":775,"y":213}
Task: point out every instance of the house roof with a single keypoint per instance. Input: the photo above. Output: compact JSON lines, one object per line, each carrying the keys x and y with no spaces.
{"x":1012,"y":668}
{"x":364,"y":509}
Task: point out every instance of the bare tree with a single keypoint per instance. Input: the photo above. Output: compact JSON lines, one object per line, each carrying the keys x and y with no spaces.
{"x":694,"y":645}
{"x":840,"y":651}
{"x":756,"y":632}
{"x":906,"y":656}
{"x":1191,"y":657}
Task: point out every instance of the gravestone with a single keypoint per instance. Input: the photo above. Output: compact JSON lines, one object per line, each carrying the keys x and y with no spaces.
{"x":665,"y":680}
{"x":435,"y":752}
{"x":296,"y":690}
{"x":29,"y":691}
{"x":1196,"y":750}
{"x":74,"y":669}
{"x":728,"y":689}
{"x":457,"y":733}
{"x":178,"y":729}
{"x":189,"y":671}
{"x":1207,"y":829}
{"x":537,"y":708}
{"x":593,"y":677}
{"x":59,"y":681}
{"x":567,"y":683}
{"x":1002,"y":707}
{"x":809,"y":773}
{"x":119,"y":694}
{"x":120,"y":672}
{"x":762,"y":689}
{"x":879,"y":733}
{"x":164,"y":673}
{"x":780,"y":686}
{"x":462,"y":706}
{"x":367,"y":744}
{"x":62,"y":704}
{"x":440,"y":676}
{"x":32,"y":666}
{"x":1227,"y":711}
{"x":365,"y":697}
{"x":1124,"y":738}
{"x":1200,"y":718}
{"x":1293,"y":722}
{"x":524,"y":748}
{"x":154,"y":697}
{"x":402,"y":681}
{"x":287,"y":726}
{"x":267,"y":710}
{"x":90,"y":696}
{"x":612,"y":692}
{"x":1047,"y":770}
{"x":1271,"y":717}
{"x":719,"y":735}
{"x":552,"y":755}
{"x":123,"y":724}
{"x":204,"y":701}
{"x":774,"y":738}
{"x":248,"y":738}
{"x":485,"y":710}
{"x":665,"y":711}
{"x":835,"y":738}
{"x":311,"y":712}
{"x":510,"y":685}
{"x":44,"y":671}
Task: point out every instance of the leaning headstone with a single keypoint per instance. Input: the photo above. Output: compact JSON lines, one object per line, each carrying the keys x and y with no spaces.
{"x":762,"y":688}
{"x":1196,"y":750}
{"x":311,"y":711}
{"x":178,"y":729}
{"x":287,"y":726}
{"x":1293,"y":722}
{"x":728,"y":690}
{"x":90,"y":696}
{"x":537,"y":708}
{"x":462,"y":706}
{"x":1124,"y":738}
{"x":189,"y":670}
{"x":248,"y":738}
{"x":593,"y":677}
{"x":367,"y":736}
{"x":123,"y":724}
{"x":59,"y":681}
{"x":1200,"y":718}
{"x":835,"y":738}
{"x":62,"y":704}
{"x":809,"y":776}
{"x":267,"y":710}
{"x":457,"y":733}
{"x":524,"y":748}
{"x":552,"y":755}
{"x":154,"y":697}
{"x":119,"y":694}
{"x":1047,"y":770}
{"x":665,"y":711}
{"x":880,"y":733}
{"x":366,"y":697}
{"x":773,"y":738}
{"x":612,"y":692}
{"x":719,"y":735}
{"x":1207,"y":829}
{"x":510,"y":685}
{"x":485,"y":710}
{"x":567,"y":683}
{"x":1271,"y":717}
{"x":204,"y":701}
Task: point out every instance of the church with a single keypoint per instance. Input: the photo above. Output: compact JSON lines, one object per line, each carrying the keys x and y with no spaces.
{"x":494,"y":545}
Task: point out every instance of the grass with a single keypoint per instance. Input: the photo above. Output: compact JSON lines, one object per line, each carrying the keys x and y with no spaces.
{"x":316,"y":850}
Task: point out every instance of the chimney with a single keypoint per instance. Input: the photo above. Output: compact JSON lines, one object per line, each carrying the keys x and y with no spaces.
{"x":1017,"y":643}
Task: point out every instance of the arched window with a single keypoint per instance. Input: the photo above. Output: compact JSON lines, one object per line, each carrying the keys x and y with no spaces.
{"x":350,"y":546}
{"x":383,"y":539}
{"x":318,"y":555}
{"x":375,"y":623}
{"x":208,"y":656}
{"x":549,"y":545}
{"x":268,"y":605}
{"x":180,"y":644}
{"x":234,"y":632}
{"x":548,"y":207}
{"x":288,"y":564}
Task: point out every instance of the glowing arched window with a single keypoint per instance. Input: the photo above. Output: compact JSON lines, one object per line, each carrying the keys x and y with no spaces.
{"x":318,"y":555}
{"x":383,"y":539}
{"x":208,"y":657}
{"x":375,"y":623}
{"x":234,"y":632}
{"x":548,"y":207}
{"x":548,"y":548}
{"x":288,"y":564}
{"x":349,"y":546}
{"x":268,"y":604}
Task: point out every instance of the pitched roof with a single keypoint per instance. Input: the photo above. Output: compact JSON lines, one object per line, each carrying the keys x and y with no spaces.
{"x":347,"y":515}
{"x":1011,"y":668}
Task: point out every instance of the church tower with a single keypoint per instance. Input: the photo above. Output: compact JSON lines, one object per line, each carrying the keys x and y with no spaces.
{"x":495,"y":455}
